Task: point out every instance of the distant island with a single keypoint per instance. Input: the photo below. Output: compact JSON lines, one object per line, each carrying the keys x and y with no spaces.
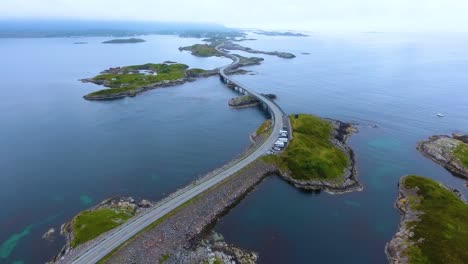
{"x":284,"y":34}
{"x":80,"y":42}
{"x":124,"y":41}
{"x":134,"y":79}
{"x":209,"y":50}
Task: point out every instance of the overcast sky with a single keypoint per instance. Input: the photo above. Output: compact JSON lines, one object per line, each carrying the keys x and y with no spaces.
{"x":367,"y":15}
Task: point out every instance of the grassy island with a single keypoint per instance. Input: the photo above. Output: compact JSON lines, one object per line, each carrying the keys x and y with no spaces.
{"x":124,"y":41}
{"x":90,"y":224}
{"x":202,"y":50}
{"x":450,"y":152}
{"x":126,"y":80}
{"x":311,"y":155}
{"x":440,"y":230}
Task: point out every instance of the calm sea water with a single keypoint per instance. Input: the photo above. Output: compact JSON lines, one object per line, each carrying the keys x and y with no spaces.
{"x":61,"y":154}
{"x":399,"y":82}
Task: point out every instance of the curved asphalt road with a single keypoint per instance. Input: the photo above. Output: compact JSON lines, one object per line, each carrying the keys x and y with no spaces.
{"x":121,"y":234}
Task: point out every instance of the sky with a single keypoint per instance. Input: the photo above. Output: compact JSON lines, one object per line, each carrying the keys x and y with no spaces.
{"x":313,"y":15}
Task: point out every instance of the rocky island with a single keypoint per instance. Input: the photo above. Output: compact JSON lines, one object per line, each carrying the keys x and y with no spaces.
{"x":208,"y":50}
{"x":247,"y":101}
{"x":283,"y":34}
{"x":434,"y":224}
{"x":202,"y":50}
{"x":449,"y":152}
{"x":124,"y":41}
{"x":131,"y":80}
{"x":128,"y":81}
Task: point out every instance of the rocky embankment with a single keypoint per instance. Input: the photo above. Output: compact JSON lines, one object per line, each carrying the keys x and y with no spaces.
{"x":247,"y":101}
{"x":117,"y":203}
{"x":233,"y":46}
{"x":349,"y":182}
{"x":440,"y":149}
{"x":176,"y":238}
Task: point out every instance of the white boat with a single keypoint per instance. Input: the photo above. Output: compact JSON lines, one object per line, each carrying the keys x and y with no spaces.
{"x":440,"y":115}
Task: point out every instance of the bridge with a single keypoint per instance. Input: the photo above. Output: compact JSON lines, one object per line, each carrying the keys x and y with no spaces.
{"x":106,"y":243}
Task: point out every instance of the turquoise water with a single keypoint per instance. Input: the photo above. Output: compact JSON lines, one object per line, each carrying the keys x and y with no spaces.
{"x":398,"y":82}
{"x":61,"y":154}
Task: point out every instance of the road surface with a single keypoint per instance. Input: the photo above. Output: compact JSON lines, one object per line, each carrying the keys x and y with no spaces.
{"x":116,"y":237}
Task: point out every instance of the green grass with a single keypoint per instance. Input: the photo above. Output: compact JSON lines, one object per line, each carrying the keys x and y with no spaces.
{"x":195,"y":71}
{"x":126,"y":81}
{"x":90,"y":224}
{"x":149,"y":227}
{"x":311,"y":156}
{"x":121,"y":41}
{"x":264,"y":127}
{"x":163,"y":258}
{"x":461,"y":153}
{"x":202,"y":50}
{"x":443,"y":226}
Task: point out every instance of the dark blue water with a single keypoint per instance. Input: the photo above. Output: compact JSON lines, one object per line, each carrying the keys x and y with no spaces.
{"x":398,"y":82}
{"x":60,"y":154}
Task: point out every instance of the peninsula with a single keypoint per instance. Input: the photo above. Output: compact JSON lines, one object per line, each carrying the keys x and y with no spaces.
{"x":124,"y":41}
{"x":434,"y":224}
{"x":449,"y":152}
{"x":180,"y":236}
{"x":208,"y":50}
{"x":318,"y":157}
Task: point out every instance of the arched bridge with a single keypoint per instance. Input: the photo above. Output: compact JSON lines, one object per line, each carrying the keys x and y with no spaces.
{"x":111,"y":240}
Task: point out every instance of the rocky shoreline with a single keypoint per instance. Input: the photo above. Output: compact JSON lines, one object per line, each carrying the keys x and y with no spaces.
{"x":233,"y":46}
{"x":341,"y":132}
{"x":179,"y":235}
{"x":247,"y":101}
{"x":66,"y":230}
{"x":439,"y":148}
{"x":397,"y":248}
{"x":134,"y":92}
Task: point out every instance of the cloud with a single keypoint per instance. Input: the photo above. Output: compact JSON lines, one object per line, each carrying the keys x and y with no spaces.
{"x":393,"y":15}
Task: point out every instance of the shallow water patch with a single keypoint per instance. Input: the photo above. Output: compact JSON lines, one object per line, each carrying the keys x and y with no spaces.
{"x":86,"y":200}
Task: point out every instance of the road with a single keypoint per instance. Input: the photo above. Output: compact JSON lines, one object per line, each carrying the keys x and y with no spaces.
{"x":121,"y":234}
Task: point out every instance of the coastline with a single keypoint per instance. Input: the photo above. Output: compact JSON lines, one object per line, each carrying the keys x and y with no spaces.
{"x":341,"y":132}
{"x":179,"y":236}
{"x":405,"y":245}
{"x":395,"y":248}
{"x":439,"y":148}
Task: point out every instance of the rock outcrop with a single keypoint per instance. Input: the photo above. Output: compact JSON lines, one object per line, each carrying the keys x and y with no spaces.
{"x":440,"y":149}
